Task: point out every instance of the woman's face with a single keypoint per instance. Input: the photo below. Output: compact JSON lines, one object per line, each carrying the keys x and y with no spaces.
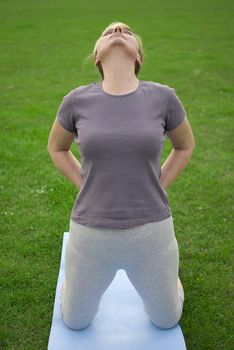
{"x":117,"y":36}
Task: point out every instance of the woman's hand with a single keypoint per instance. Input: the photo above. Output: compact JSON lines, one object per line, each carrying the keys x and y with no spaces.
{"x":58,"y":147}
{"x":183,"y":145}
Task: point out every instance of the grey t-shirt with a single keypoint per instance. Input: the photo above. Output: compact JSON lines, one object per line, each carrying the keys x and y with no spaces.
{"x":120,"y":139}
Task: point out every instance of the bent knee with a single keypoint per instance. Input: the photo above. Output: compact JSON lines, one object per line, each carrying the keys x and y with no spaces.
{"x":76,"y":320}
{"x":76,"y":324}
{"x":165,"y":325}
{"x":167,"y":321}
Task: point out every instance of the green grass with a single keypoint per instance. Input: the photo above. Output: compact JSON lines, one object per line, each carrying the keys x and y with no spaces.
{"x":188,"y":45}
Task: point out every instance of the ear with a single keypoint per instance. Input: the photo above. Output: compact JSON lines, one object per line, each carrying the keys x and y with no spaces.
{"x":138,"y":61}
{"x":98,"y":63}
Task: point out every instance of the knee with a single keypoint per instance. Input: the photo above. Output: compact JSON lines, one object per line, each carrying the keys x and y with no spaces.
{"x":165,"y":325}
{"x":76,"y":324}
{"x":76,"y":320}
{"x":69,"y":316}
{"x":167,"y":321}
{"x":165,"y":318}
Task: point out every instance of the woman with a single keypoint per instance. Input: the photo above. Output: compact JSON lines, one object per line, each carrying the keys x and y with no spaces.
{"x":121,"y":217}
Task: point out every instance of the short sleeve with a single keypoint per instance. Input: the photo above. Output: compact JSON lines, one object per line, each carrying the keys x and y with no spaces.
{"x":176,"y":111}
{"x":65,"y":113}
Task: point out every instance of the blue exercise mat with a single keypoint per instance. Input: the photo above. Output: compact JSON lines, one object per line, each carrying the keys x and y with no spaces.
{"x":120,"y":324}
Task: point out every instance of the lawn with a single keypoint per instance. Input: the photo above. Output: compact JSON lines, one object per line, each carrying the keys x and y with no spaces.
{"x":188,"y":45}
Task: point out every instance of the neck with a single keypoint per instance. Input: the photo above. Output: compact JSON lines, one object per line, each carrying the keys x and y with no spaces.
{"x":118,"y":85}
{"x":119,"y":74}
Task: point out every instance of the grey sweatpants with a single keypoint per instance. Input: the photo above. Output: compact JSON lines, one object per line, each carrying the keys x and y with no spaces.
{"x":150,"y":257}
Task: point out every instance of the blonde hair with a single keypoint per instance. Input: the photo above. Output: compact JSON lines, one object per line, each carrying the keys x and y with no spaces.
{"x":136,"y":36}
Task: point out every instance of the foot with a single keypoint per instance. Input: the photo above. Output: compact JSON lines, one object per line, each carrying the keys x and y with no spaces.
{"x":62,"y":295}
{"x":180,"y":289}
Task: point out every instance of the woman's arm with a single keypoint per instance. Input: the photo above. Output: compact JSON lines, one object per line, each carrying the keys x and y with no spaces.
{"x":59,"y":144}
{"x":183,"y":143}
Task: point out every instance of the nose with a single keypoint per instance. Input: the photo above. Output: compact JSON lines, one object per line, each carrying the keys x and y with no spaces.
{"x":118,"y":29}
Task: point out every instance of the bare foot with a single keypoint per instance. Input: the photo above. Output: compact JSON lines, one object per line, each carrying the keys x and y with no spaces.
{"x":62,"y":295}
{"x":181,"y":289}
